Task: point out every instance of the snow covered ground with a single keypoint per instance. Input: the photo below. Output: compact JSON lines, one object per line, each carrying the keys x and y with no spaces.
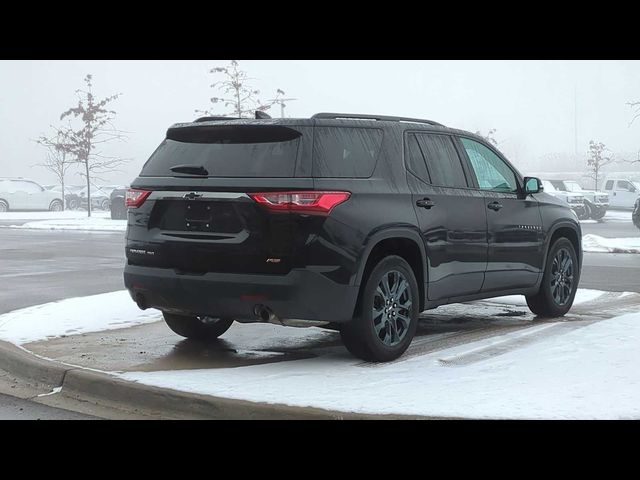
{"x":73,"y":316}
{"x":596,"y":243}
{"x":68,"y":220}
{"x":579,"y":368}
{"x":583,"y":373}
{"x":78,"y":214}
{"x":618,"y":216}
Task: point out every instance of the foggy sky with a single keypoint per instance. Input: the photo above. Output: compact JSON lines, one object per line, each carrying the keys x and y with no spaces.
{"x":529,"y":103}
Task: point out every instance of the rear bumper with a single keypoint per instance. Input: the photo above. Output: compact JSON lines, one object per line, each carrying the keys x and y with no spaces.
{"x":301,"y":294}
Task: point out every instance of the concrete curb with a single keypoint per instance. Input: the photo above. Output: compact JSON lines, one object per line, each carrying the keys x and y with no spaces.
{"x":28,"y":367}
{"x":108,"y":390}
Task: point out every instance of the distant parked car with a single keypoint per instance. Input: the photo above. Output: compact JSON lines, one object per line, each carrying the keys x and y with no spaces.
{"x":596,"y":203}
{"x":71,"y":197}
{"x":22,"y":194}
{"x":623,"y":192}
{"x":635,"y":216}
{"x":574,"y":200}
{"x":118,"y":208}
{"x":99,"y":196}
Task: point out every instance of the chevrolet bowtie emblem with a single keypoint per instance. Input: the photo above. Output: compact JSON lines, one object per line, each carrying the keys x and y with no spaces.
{"x":192,"y":195}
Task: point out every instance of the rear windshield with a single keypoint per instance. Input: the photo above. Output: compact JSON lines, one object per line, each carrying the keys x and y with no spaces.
{"x":345,"y":152}
{"x":228,"y":151}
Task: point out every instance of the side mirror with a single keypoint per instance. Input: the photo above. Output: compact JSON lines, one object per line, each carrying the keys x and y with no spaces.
{"x":532,"y":185}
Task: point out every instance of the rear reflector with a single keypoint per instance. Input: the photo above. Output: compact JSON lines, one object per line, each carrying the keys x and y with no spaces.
{"x":311,"y":203}
{"x":134,"y":198}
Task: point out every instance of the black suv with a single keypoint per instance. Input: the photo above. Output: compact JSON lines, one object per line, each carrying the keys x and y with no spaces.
{"x":358,"y":221}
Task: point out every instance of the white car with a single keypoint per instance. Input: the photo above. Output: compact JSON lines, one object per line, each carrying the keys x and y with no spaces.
{"x":623,"y":192}
{"x":22,"y":194}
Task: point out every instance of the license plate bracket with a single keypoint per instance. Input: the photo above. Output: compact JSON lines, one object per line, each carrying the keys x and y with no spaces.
{"x":198,"y":215}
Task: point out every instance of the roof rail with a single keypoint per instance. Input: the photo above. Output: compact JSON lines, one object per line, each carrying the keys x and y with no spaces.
{"x":385,"y":118}
{"x":209,"y":119}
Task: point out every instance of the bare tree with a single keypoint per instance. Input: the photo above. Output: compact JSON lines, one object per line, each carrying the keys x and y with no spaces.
{"x":598,"y":158}
{"x":636,"y":114}
{"x":636,"y":110}
{"x":95,"y":128}
{"x":237,"y":93}
{"x":56,"y":159}
{"x":489,"y":137}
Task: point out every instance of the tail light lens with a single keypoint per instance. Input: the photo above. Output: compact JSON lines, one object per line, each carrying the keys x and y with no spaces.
{"x":134,"y":198}
{"x":311,"y":203}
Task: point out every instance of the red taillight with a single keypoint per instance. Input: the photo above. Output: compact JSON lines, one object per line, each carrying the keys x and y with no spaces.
{"x":134,"y":198}
{"x":318,"y":203}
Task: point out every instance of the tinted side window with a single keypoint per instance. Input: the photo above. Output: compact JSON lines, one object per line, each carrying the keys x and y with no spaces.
{"x":345,"y":152}
{"x":491,"y":171}
{"x":414,"y":158}
{"x":623,"y":185}
{"x":609,"y":185}
{"x":443,"y":162}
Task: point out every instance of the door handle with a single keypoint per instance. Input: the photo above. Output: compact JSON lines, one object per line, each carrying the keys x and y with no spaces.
{"x":494,"y":206}
{"x":425,"y":203}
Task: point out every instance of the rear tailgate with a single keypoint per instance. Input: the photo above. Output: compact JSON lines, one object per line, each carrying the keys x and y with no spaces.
{"x":198,"y":224}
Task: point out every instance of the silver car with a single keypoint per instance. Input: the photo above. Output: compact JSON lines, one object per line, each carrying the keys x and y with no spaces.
{"x":22,"y":194}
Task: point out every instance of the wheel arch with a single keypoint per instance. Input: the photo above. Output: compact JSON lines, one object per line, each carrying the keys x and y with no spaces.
{"x":6,"y":202}
{"x":567,"y":230}
{"x":404,"y":242}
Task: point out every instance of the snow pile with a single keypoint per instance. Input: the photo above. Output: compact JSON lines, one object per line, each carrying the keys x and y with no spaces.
{"x":67,"y":214}
{"x":596,"y":243}
{"x":107,"y":311}
{"x":93,"y":223}
{"x":589,"y":372}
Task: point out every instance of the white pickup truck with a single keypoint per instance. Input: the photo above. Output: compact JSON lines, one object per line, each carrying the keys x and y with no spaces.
{"x":574,"y":200}
{"x":596,"y":203}
{"x":623,"y":192}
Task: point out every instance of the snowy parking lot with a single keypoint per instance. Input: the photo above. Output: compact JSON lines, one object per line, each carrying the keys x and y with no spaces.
{"x":487,"y":359}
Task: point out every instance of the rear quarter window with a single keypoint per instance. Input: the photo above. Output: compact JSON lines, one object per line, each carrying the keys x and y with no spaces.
{"x":345,"y":152}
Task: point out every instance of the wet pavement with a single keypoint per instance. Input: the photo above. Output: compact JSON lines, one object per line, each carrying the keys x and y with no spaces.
{"x":154,"y":347}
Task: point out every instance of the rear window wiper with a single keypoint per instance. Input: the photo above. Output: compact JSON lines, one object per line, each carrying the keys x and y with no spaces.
{"x":190,"y":169}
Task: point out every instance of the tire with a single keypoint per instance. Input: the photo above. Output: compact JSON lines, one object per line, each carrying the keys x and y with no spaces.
{"x":196,"y":329}
{"x":599,"y":214}
{"x":379,"y":342}
{"x":583,"y":214}
{"x":588,"y":211}
{"x":55,"y":206}
{"x":73,"y":204}
{"x":551,"y":302}
{"x":4,"y":206}
{"x":104,"y":205}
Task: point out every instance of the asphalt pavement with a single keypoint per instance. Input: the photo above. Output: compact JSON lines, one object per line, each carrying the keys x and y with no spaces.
{"x":12,"y":408}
